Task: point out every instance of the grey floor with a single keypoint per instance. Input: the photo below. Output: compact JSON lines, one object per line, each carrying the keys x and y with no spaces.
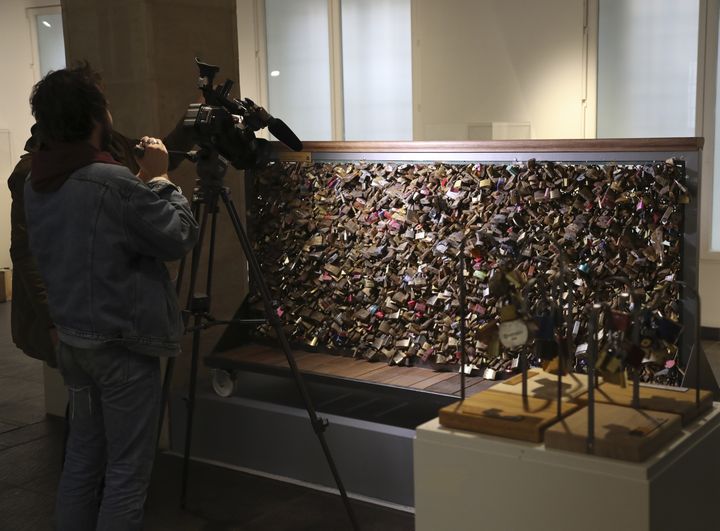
{"x":219,"y":499}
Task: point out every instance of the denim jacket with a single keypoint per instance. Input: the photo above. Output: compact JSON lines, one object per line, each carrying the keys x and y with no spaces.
{"x":100,"y":242}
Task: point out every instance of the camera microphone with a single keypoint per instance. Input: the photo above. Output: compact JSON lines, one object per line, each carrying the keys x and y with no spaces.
{"x":257,"y":117}
{"x":284,"y":134}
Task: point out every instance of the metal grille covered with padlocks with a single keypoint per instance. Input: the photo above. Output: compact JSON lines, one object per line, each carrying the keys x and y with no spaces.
{"x":362,"y":259}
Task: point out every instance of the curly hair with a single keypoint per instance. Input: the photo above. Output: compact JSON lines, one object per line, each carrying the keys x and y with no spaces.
{"x":67,"y":103}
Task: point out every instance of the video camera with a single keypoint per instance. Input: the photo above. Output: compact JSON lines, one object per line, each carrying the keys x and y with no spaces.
{"x":228,"y":125}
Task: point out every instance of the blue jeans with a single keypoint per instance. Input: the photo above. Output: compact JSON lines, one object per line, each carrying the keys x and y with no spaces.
{"x":114,"y":404}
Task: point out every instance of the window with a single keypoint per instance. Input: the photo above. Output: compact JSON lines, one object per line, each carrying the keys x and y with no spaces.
{"x":334,"y":69}
{"x":647,"y":68}
{"x":298,"y":59}
{"x":377,"y":69}
{"x":48,"y":39}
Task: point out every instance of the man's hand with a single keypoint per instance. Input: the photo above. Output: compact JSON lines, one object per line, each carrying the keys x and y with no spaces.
{"x":154,"y":162}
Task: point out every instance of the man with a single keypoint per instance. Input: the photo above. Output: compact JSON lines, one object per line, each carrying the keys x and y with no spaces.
{"x":32,"y":330}
{"x":100,"y":235}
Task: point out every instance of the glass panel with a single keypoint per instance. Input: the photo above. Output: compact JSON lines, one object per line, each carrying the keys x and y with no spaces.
{"x":647,"y":64}
{"x":51,"y":44}
{"x":377,"y":69}
{"x":298,"y":65}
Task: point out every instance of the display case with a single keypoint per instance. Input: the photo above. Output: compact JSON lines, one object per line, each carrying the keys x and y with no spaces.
{"x":358,"y":240}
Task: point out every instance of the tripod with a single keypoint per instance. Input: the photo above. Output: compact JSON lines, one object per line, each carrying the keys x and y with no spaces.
{"x":211,"y":168}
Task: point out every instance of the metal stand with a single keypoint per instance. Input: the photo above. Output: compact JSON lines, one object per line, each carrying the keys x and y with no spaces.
{"x":563,"y":282}
{"x":592,"y":359}
{"x":524,"y":370}
{"x":211,"y":170}
{"x":564,"y":361}
{"x":697,"y":348}
{"x":637,"y":299}
{"x":463,"y":316}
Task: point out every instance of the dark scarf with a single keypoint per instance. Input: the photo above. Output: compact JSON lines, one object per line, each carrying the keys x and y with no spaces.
{"x":52,"y":166}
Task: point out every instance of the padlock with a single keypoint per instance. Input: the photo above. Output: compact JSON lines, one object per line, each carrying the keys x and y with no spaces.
{"x":620,"y":321}
{"x":508,"y":312}
{"x":513,"y":333}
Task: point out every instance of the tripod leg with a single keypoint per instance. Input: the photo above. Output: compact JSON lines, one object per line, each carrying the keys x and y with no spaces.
{"x":197,"y":321}
{"x":190,"y":408}
{"x":170,"y":366}
{"x":318,"y":424}
{"x":165,"y":397}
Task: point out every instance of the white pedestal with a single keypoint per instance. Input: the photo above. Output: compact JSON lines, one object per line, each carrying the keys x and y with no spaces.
{"x":468,"y":481}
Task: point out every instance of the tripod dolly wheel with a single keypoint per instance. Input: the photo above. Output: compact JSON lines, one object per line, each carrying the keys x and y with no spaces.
{"x":224,"y":382}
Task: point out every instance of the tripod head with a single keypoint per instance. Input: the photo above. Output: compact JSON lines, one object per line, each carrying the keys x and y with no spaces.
{"x":210,"y":166}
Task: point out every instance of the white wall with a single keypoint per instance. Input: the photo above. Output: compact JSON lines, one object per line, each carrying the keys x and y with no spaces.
{"x":6,"y":161}
{"x":498,"y":61}
{"x":706,"y":126}
{"x":16,"y":60}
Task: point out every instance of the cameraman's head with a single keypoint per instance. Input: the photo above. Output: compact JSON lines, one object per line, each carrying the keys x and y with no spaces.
{"x":70,"y":107}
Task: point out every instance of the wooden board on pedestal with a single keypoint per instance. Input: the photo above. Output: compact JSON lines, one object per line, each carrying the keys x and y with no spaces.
{"x":504,"y":415}
{"x":680,"y":401}
{"x":544,"y":385}
{"x":620,"y":432}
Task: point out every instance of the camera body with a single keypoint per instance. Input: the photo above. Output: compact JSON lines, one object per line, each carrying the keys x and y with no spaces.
{"x":214,"y":127}
{"x":228,"y":125}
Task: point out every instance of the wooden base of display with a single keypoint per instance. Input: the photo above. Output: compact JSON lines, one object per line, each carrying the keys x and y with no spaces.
{"x":620,"y":432}
{"x":269,"y":359}
{"x":504,"y":414}
{"x":544,"y":385}
{"x":680,"y":401}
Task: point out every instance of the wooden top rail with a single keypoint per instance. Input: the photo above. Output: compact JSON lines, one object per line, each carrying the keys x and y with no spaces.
{"x":507,"y":146}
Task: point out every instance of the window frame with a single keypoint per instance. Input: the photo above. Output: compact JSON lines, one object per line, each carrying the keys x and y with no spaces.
{"x":31,"y":13}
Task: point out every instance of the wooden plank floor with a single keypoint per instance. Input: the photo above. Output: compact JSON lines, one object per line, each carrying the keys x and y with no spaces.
{"x":417,"y":378}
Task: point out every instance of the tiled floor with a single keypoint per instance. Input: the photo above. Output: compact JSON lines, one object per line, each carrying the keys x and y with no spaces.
{"x":219,"y":499}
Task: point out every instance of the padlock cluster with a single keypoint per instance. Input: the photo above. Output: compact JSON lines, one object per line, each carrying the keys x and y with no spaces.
{"x":363,"y":257}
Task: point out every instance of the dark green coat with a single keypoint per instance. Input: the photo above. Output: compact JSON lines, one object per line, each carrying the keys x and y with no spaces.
{"x":30,"y":320}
